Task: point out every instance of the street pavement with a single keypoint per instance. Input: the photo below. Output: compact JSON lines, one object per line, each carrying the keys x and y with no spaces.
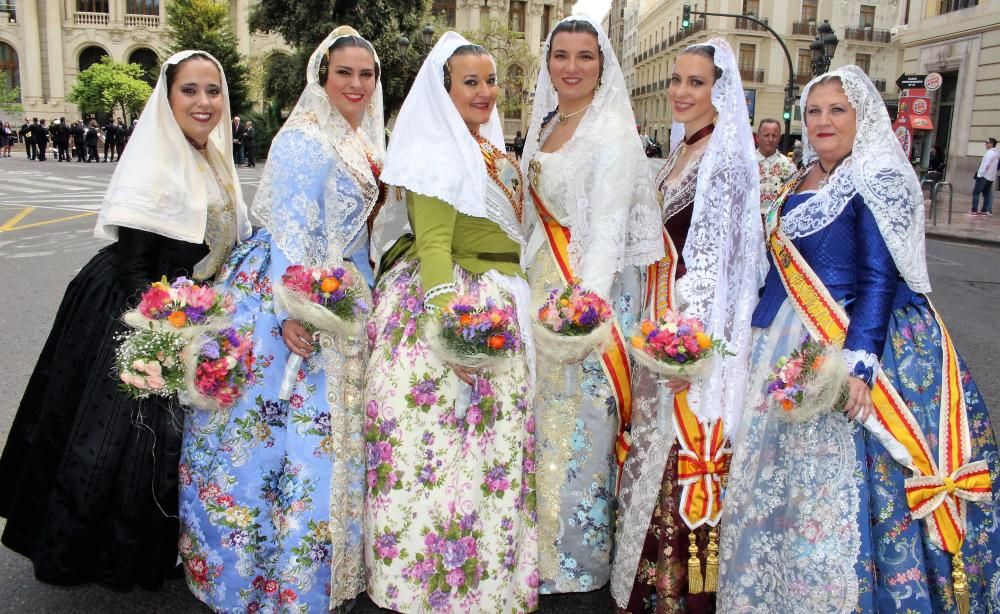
{"x":47,"y":213}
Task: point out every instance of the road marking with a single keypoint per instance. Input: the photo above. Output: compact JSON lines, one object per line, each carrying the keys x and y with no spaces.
{"x":47,"y":222}
{"x":37,"y":206}
{"x":9,"y":224}
{"x":23,"y":190}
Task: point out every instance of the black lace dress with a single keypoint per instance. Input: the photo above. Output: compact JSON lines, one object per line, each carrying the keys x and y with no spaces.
{"x":88,"y":477}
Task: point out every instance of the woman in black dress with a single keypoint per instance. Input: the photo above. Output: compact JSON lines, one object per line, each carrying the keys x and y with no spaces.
{"x":88,"y":477}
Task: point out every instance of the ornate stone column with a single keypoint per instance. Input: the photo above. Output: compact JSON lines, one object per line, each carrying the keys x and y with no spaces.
{"x":31,"y":78}
{"x":533,"y":30}
{"x":54,"y":42}
{"x":116,"y":13}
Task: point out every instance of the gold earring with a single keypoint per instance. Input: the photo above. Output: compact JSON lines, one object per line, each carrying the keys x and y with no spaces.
{"x":371,"y":108}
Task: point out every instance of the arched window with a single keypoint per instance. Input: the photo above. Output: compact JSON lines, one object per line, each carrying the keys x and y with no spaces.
{"x":149,"y":61}
{"x":90,"y":56}
{"x":142,"y":7}
{"x":9,"y":66}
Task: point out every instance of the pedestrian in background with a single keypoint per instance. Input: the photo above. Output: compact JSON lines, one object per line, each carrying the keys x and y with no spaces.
{"x":121,"y":136}
{"x":237,"y":140}
{"x":60,"y":136}
{"x":88,"y":477}
{"x":40,"y":135}
{"x":775,"y":167}
{"x":250,"y":144}
{"x":8,"y":140}
{"x":110,"y":135}
{"x":79,"y":133}
{"x":986,"y":176}
{"x":91,"y":139}
{"x":25,"y":134}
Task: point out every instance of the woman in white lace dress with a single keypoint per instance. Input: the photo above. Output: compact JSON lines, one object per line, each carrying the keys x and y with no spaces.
{"x":588,"y":175}
{"x":666,"y":559}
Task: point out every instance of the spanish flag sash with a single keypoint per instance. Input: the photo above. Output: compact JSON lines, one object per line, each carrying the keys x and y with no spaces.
{"x":615,"y":359}
{"x":704,"y":455}
{"x":938,"y":491}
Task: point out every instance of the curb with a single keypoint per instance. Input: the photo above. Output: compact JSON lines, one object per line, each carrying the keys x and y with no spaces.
{"x":960,"y":237}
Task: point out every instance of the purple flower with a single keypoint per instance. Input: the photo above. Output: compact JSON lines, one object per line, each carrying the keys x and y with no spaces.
{"x":471,"y":547}
{"x":468,"y":521}
{"x":474,"y":415}
{"x":322,"y":420}
{"x":210,"y":349}
{"x":454,"y":555}
{"x":456,"y":577}
{"x":424,"y":392}
{"x":427,"y":475}
{"x":195,"y":314}
{"x":427,"y":438}
{"x":271,"y":411}
{"x":319,"y":553}
{"x":438,"y":600}
{"x":506,"y":524}
{"x":237,"y":539}
{"x":387,"y":426}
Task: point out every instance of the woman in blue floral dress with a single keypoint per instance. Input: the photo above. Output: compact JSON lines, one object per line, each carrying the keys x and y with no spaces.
{"x":450,"y":514}
{"x":271,"y":489}
{"x":823,"y":514}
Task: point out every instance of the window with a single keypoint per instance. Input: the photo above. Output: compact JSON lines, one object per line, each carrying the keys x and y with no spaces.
{"x":9,"y":66}
{"x":546,"y":21}
{"x":947,"y":6}
{"x":92,"y":6}
{"x":446,"y":9}
{"x":809,"y":10}
{"x":150,"y":63}
{"x":142,"y":7}
{"x":867,"y":19}
{"x":90,"y":56}
{"x":748,"y":55}
{"x":517,"y":16}
{"x":751,"y":7}
{"x":864,"y":62}
{"x":803,"y":69}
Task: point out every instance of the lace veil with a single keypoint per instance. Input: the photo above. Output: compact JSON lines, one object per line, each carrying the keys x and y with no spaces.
{"x":310,"y":232}
{"x":879,"y":171}
{"x":169,"y":198}
{"x":432,"y":151}
{"x":619,"y":201}
{"x":724,"y":251}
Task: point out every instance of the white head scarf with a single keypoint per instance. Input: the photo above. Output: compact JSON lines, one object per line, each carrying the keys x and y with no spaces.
{"x":606,"y":131}
{"x":724,"y":251}
{"x":319,"y":235}
{"x":879,"y":171}
{"x":157,"y":186}
{"x":431,"y":151}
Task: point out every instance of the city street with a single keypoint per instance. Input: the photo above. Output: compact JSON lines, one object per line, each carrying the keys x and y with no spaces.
{"x":47,"y":213}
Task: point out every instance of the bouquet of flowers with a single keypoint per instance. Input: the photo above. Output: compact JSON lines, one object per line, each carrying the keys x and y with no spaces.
{"x":572,"y":322}
{"x":149,"y":363}
{"x":475,"y":337}
{"x":182,"y":307}
{"x":217,"y":365}
{"x":675,"y":346}
{"x":809,"y":381}
{"x":333,"y":301}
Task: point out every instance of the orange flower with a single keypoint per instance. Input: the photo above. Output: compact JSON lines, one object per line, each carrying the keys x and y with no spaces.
{"x":787,"y":404}
{"x":329,"y":284}
{"x":496,"y":342}
{"x":646,"y":327}
{"x":465,"y":319}
{"x":638,"y":342}
{"x":177,"y":319}
{"x":704,"y":341}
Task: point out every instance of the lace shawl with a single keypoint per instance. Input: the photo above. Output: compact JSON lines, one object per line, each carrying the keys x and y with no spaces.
{"x":724,"y":251}
{"x":612,"y":207}
{"x":879,"y":171}
{"x":309,"y":231}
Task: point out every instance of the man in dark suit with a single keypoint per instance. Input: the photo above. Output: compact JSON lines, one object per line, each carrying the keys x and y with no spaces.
{"x":122,"y":138}
{"x":29,"y":140}
{"x":60,"y":136}
{"x":250,"y":144}
{"x":110,"y":134}
{"x":237,"y":140}
{"x":79,"y":146}
{"x":40,"y":134}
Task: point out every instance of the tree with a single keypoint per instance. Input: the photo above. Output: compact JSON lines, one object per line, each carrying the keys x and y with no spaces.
{"x":111,"y":87}
{"x":515,"y":64}
{"x":10,"y":97}
{"x":206,"y":25}
{"x":305,"y":23}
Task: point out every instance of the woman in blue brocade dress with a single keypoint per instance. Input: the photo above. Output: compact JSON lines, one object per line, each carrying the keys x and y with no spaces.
{"x":816,"y":516}
{"x":271,"y":489}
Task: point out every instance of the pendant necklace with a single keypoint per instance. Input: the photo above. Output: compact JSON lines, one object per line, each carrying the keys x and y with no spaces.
{"x":697,"y":136}
{"x":563,"y":118}
{"x":826,"y":173}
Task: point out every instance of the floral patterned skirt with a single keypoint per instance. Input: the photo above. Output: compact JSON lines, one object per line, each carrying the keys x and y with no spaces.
{"x":816,"y":512}
{"x":450,"y":508}
{"x":272,"y":490}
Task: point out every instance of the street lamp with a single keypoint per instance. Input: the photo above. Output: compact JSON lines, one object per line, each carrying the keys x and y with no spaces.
{"x":822,"y":48}
{"x":428,"y":33}
{"x":403,"y":44}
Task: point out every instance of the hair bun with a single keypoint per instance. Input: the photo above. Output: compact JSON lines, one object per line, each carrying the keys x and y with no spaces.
{"x":345,"y":31}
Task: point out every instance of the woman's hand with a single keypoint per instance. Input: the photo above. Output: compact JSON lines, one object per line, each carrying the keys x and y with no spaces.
{"x":859,"y":399}
{"x":297,"y":338}
{"x":678,"y":384}
{"x":465,"y":374}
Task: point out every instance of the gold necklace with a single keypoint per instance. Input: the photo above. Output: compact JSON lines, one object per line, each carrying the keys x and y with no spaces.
{"x":563,"y":118}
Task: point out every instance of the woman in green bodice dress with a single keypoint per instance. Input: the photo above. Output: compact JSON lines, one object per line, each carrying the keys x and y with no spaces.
{"x":449,"y":514}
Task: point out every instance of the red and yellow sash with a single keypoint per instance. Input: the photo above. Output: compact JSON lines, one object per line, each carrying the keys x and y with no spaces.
{"x":938,"y":491}
{"x":615,"y":359}
{"x":703,"y":458}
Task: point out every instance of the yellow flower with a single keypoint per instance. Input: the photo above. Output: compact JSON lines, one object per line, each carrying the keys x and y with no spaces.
{"x":638,"y":342}
{"x":704,"y":341}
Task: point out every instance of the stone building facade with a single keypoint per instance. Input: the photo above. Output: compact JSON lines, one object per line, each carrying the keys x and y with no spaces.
{"x":45,"y":44}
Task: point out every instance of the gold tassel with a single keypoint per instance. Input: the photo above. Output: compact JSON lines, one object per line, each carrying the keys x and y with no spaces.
{"x":695,"y":582}
{"x":712,"y":561}
{"x":960,"y":583}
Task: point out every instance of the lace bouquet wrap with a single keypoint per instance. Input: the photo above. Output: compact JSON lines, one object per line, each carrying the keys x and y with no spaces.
{"x":334,"y":301}
{"x":473,"y":336}
{"x":810,"y":381}
{"x":169,"y":316}
{"x":675,"y":346}
{"x":572,"y":323}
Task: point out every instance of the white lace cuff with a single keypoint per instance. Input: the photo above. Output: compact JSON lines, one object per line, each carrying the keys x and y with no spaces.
{"x":437,"y":291}
{"x":862,"y":364}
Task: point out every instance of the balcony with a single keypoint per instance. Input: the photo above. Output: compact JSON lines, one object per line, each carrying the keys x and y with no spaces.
{"x":754,"y":75}
{"x":81,"y":18}
{"x":804,"y":28}
{"x":868,"y":34}
{"x":745,"y":24}
{"x":150,"y":22}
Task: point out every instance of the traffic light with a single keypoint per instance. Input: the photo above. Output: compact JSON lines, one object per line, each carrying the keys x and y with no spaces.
{"x":787,"y":114}
{"x":788,"y":108}
{"x":686,"y":16}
